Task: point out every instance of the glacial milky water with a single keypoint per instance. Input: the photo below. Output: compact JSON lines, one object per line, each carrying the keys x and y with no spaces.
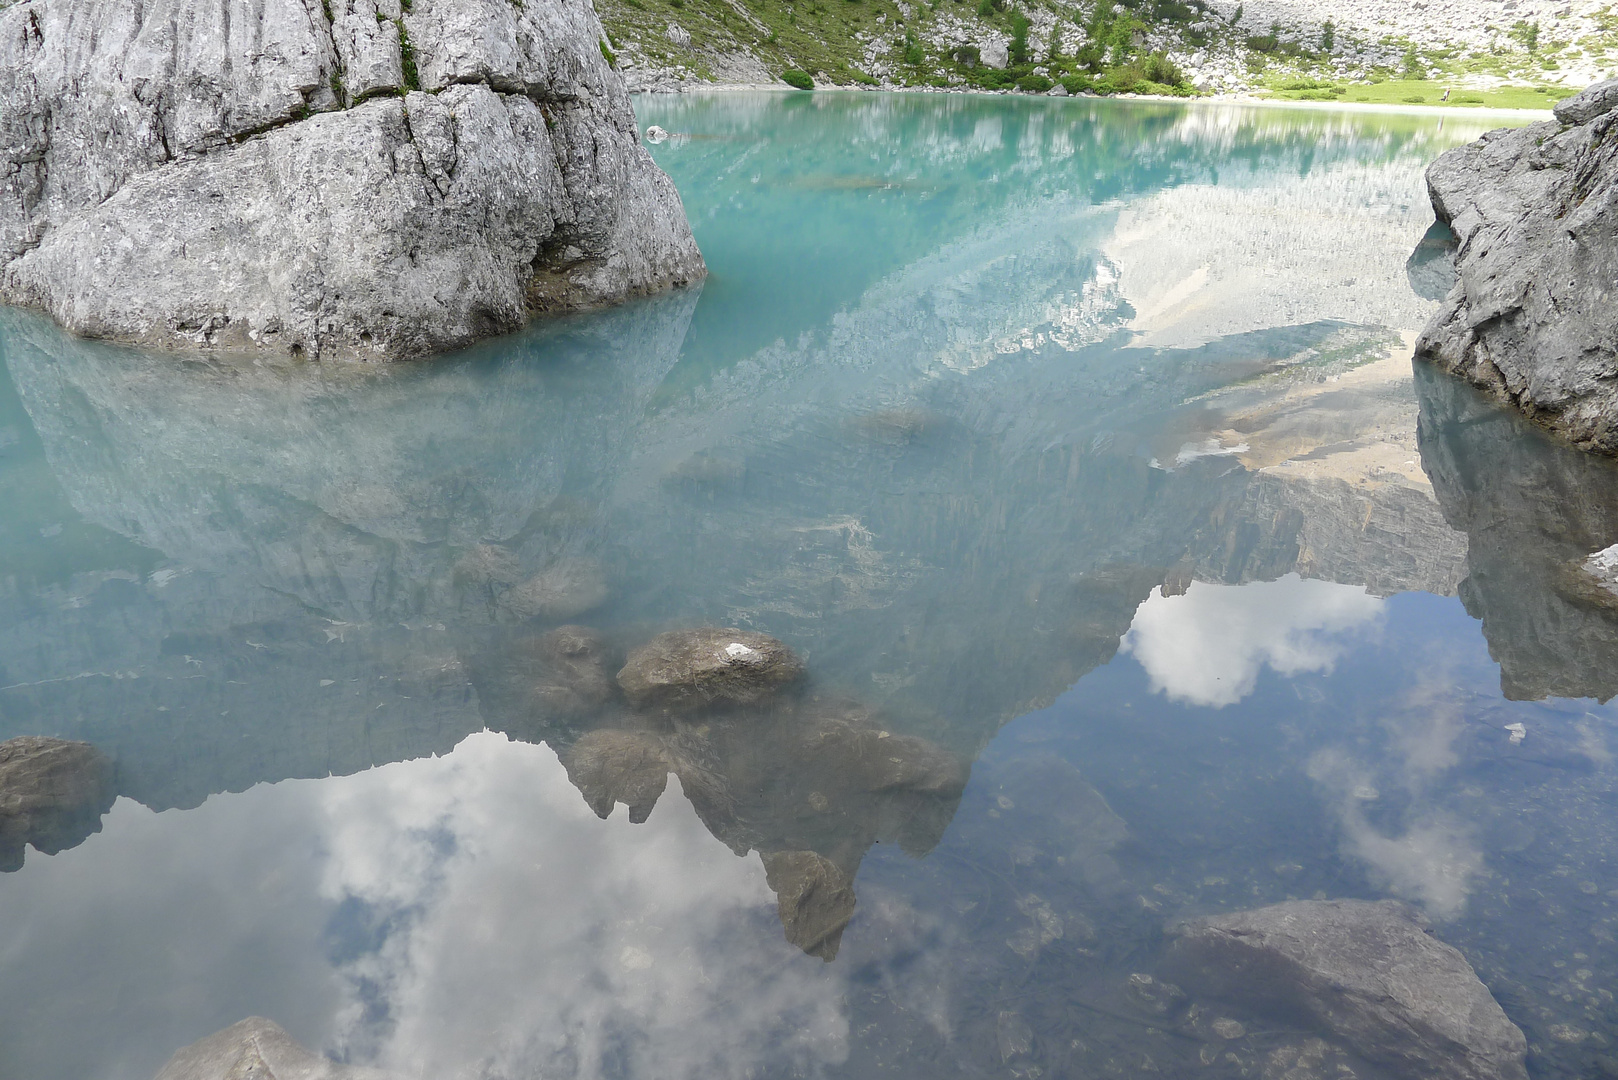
{"x":1076,"y":442}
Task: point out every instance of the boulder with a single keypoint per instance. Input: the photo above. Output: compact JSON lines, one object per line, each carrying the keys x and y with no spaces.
{"x":52,"y":795}
{"x":691,"y":669}
{"x":995,"y":54}
{"x":1533,"y":315}
{"x":256,"y":1049}
{"x":1366,"y":972}
{"x":348,"y":179}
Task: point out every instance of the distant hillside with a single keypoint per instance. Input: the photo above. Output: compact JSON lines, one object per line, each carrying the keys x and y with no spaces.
{"x":1508,"y":53}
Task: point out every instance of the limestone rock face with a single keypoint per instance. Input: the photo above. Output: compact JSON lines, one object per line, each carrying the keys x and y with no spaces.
{"x":686,"y":669}
{"x":52,"y":795}
{"x":1366,"y":972}
{"x":1533,"y":316}
{"x":177,"y":174}
{"x":256,"y":1049}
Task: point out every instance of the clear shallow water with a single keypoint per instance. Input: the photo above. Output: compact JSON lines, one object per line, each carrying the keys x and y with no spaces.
{"x":1078,"y":439}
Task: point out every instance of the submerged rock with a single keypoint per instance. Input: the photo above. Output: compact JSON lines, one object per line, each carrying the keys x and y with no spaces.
{"x":256,"y":1049}
{"x":610,"y":767}
{"x":180,"y":174}
{"x":568,"y":676}
{"x":563,"y":590}
{"x":815,"y":898}
{"x":1368,"y":973}
{"x":1533,"y":316}
{"x":52,"y":795}
{"x":686,"y":669}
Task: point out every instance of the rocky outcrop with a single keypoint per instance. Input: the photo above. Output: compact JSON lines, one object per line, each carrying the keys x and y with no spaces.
{"x":686,"y":669}
{"x":256,"y":1049}
{"x":350,"y":179}
{"x":1533,"y":317}
{"x":52,"y":795}
{"x":1368,"y":973}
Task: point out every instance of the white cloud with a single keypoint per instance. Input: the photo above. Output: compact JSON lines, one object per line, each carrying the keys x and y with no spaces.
{"x":1207,"y":646}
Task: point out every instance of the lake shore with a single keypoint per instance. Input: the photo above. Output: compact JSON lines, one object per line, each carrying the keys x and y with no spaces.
{"x":1203,"y":100}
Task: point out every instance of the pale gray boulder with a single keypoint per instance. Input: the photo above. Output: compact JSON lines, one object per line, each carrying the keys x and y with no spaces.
{"x":1533,"y":315}
{"x":256,"y":1049}
{"x":1366,"y":972}
{"x":379,"y":184}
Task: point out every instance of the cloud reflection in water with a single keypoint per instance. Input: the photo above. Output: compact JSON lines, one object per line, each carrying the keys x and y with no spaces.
{"x":533,"y":939}
{"x":463,"y":916}
{"x":1207,"y":646}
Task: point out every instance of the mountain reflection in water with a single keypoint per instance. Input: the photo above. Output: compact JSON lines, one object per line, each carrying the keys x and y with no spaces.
{"x":1070,"y":445}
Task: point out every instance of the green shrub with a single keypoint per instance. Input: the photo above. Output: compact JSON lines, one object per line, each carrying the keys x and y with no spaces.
{"x":797,"y":78}
{"x":1092,"y":56}
{"x":1414,"y":99}
{"x":1328,"y":36}
{"x":1525,"y":34}
{"x":608,"y":55}
{"x":1075,"y":84}
{"x":968,"y":56}
{"x":1413,"y":68}
{"x":1161,"y":70}
{"x":1034,"y":84}
{"x":1119,"y":81}
{"x":914,"y":54}
{"x":1019,"y":38}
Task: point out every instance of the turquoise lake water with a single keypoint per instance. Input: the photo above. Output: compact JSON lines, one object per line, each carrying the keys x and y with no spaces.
{"x":1077,"y":442}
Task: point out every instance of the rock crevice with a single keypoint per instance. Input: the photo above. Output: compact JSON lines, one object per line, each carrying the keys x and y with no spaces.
{"x":378,"y":184}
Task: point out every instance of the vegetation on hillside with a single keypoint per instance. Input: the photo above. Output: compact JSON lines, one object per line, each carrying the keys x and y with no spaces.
{"x":1095,"y":46}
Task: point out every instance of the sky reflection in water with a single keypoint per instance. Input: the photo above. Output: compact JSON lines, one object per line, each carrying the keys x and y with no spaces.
{"x":1077,"y":440}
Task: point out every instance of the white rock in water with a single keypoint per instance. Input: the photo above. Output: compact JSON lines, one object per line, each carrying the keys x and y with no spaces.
{"x":1057,"y":91}
{"x":655,"y":134}
{"x":230,"y":182}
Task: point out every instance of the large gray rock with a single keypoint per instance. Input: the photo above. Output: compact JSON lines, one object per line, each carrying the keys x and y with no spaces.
{"x":1533,"y":317}
{"x":256,"y":1049}
{"x":1366,"y":972}
{"x":179,"y":174}
{"x":52,"y":795}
